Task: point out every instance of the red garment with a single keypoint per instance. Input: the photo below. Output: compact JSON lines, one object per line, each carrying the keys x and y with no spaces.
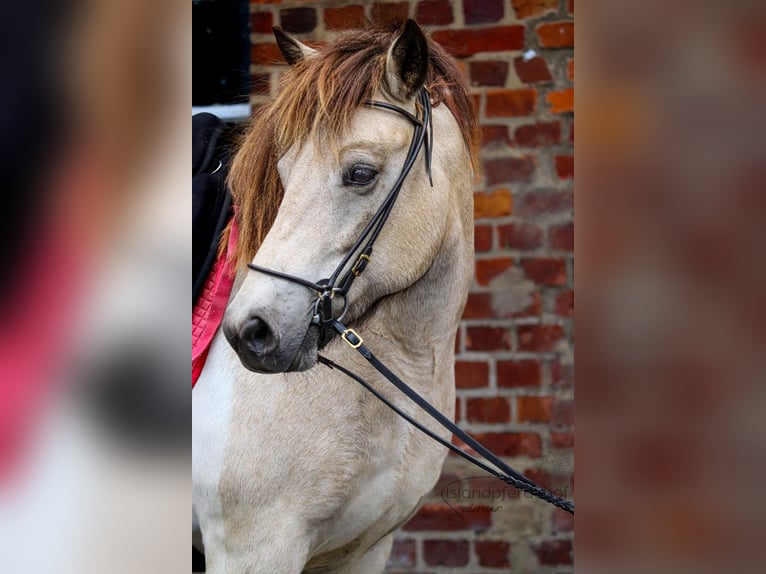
{"x":207,"y":314}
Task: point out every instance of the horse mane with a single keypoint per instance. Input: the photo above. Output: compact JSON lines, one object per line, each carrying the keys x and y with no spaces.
{"x":318,"y":95}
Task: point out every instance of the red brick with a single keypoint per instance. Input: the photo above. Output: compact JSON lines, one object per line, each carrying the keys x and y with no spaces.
{"x":398,"y":12}
{"x":533,"y":71}
{"x":511,"y":103}
{"x":471,"y":374}
{"x":344,"y":18}
{"x":495,"y":204}
{"x":434,"y":12}
{"x":542,"y":203}
{"x":492,"y":135}
{"x":266,"y":54}
{"x":476,"y":101}
{"x":488,"y":410}
{"x":561,"y":237}
{"x":492,"y":553}
{"x":487,"y":306}
{"x":522,"y":236}
{"x":261,"y":22}
{"x":539,"y":338}
{"x":509,"y":170}
{"x":300,"y":20}
{"x":462,"y":43}
{"x":265,"y":1}
{"x":482,"y":237}
{"x":523,"y":373}
{"x":458,"y":417}
{"x":570,"y":69}
{"x":457,"y":341}
{"x":554,"y":552}
{"x":556,"y":480}
{"x":479,"y":306}
{"x":487,"y":339}
{"x":443,"y":517}
{"x":534,"y":409}
{"x":403,"y":553}
{"x":562,"y":375}
{"x":562,"y":521}
{"x":561,"y":101}
{"x":562,"y":440}
{"x":446,"y":552}
{"x":570,"y":6}
{"x":556,"y":34}
{"x":565,"y":166}
{"x":538,"y":135}
{"x":488,"y":269}
{"x":545,"y":270}
{"x":481,"y":11}
{"x":565,"y":304}
{"x":511,"y":444}
{"x":488,"y":73}
{"x":529,"y":8}
{"x":562,"y":415}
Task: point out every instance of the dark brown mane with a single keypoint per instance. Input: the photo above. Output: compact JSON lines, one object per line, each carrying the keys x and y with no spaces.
{"x":320,"y":94}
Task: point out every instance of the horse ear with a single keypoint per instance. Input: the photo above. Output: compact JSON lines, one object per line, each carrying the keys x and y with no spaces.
{"x":292,"y":49}
{"x":407,"y":62}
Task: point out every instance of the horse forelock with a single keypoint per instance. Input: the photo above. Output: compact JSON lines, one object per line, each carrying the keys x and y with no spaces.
{"x":317,"y":98}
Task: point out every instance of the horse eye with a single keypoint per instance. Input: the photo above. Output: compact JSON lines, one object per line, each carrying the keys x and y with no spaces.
{"x":360,"y":175}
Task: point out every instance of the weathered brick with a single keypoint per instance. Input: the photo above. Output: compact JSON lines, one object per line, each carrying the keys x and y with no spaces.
{"x":443,"y":517}
{"x":403,"y":553}
{"x":530,"y":8}
{"x":534,"y":409}
{"x":539,"y":338}
{"x":565,"y":304}
{"x":344,"y":17}
{"x":570,"y":69}
{"x":471,"y":374}
{"x":509,"y":170}
{"x":571,"y":133}
{"x":562,"y":521}
{"x":556,"y":34}
{"x":488,"y":269}
{"x":488,"y":410}
{"x":511,"y":103}
{"x":541,"y":203}
{"x":511,"y":444}
{"x":466,"y":42}
{"x":495,"y":305}
{"x":494,"y":135}
{"x":562,"y":440}
{"x":532,"y":71}
{"x":554,"y":552}
{"x":482,"y":238}
{"x":545,"y":270}
{"x":481,"y":11}
{"x":521,"y":236}
{"x":487,"y":339}
{"x":492,"y":553}
{"x":488,"y":73}
{"x":300,"y":20}
{"x":538,"y":135}
{"x":261,"y":22}
{"x":494,"y":204}
{"x":265,"y":54}
{"x":561,"y":237}
{"x":562,"y":415}
{"x":562,"y":375}
{"x":446,"y":552}
{"x":434,"y":12}
{"x":570,"y":6}
{"x":523,"y":373}
{"x":561,"y":101}
{"x":565,"y":166}
{"x":387,"y":12}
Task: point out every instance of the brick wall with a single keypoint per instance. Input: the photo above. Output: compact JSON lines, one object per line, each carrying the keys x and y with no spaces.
{"x":514,"y":347}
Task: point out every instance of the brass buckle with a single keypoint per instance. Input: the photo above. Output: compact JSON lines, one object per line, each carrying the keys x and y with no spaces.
{"x":359,"y":340}
{"x":355,"y":269}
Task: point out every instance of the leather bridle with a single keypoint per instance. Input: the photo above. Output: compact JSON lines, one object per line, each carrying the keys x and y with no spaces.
{"x":339,"y":285}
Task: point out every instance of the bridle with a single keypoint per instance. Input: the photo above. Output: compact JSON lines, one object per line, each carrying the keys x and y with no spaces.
{"x":336,"y":285}
{"x":339,"y":284}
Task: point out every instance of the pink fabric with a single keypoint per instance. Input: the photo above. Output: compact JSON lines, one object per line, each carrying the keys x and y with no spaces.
{"x":207,"y":314}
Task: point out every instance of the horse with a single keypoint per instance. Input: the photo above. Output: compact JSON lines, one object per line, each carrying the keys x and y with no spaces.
{"x":295,"y":467}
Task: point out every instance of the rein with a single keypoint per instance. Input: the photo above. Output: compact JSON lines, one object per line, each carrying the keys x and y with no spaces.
{"x":335,"y":285}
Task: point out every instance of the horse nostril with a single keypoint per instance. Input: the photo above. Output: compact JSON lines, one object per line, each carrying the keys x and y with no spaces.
{"x":258,"y":336}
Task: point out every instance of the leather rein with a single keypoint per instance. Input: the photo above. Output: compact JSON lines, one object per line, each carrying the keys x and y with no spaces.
{"x":339,"y":284}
